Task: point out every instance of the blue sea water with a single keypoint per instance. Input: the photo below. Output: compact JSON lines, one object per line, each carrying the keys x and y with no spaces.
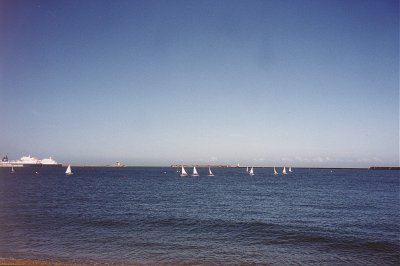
{"x":138,"y":215}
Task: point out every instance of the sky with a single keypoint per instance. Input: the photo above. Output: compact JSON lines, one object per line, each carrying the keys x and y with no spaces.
{"x":260,"y":83}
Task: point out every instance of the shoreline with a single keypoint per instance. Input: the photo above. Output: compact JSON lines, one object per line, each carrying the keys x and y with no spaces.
{"x":44,"y":262}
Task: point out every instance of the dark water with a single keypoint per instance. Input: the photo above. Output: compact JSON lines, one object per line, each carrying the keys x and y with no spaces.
{"x":143,"y":215}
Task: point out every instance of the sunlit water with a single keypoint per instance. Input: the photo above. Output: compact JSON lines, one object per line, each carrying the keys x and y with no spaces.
{"x":151,"y":215}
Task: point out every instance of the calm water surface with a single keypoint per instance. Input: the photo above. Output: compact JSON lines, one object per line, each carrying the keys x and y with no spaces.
{"x":151,"y":215}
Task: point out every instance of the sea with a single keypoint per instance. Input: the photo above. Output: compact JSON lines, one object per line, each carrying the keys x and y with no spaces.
{"x":152,"y":216}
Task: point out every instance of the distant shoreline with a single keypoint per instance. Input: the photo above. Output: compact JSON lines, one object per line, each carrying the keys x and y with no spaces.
{"x":242,"y":167}
{"x":220,"y":166}
{"x":384,"y":168}
{"x":12,"y":261}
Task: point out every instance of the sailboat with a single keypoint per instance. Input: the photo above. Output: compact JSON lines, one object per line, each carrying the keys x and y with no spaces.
{"x":247,"y":169}
{"x":275,"y":172}
{"x":183,"y":172}
{"x":290,"y":169}
{"x":251,"y":172}
{"x":12,"y":170}
{"x":209,"y":172}
{"x":68,"y":171}
{"x":284,"y":171}
{"x":195,"y":171}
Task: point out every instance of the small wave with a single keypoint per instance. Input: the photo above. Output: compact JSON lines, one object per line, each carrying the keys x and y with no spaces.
{"x":338,"y":242}
{"x":244,"y":233}
{"x":109,"y":223}
{"x":258,"y":232}
{"x":373,"y":246}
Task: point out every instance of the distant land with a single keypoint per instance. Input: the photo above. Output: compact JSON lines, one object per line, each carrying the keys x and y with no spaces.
{"x":302,"y":167}
{"x":205,"y":165}
{"x":384,"y":168}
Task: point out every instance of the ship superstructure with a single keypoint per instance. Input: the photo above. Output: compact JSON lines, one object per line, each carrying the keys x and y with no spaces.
{"x":29,"y":161}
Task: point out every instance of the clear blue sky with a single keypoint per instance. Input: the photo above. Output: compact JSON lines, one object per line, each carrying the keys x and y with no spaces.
{"x":300,"y":83}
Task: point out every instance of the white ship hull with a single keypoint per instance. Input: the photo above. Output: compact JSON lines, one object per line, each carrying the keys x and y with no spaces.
{"x":28,"y":161}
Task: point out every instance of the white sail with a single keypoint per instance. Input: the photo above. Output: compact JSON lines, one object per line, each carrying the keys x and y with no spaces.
{"x":251,"y":172}
{"x":247,"y":169}
{"x":284,"y":171}
{"x":275,"y":172}
{"x":68,"y":171}
{"x":290,"y":169}
{"x":12,"y":170}
{"x":209,"y":172}
{"x":183,"y":172}
{"x":195,"y":171}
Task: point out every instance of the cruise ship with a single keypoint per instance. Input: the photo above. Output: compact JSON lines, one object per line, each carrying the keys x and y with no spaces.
{"x":29,"y":161}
